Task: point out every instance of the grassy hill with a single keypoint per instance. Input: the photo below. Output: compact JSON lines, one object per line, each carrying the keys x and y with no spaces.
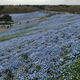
{"x":45,"y":50}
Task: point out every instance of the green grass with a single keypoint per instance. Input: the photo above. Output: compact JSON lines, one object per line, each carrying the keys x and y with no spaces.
{"x":9,"y":75}
{"x":8,"y":37}
{"x":31,"y":25}
{"x":65,"y":12}
{"x":78,"y":37}
{"x":15,"y":35}
{"x":20,"y":33}
{"x":25,"y":28}
{"x":71,"y":71}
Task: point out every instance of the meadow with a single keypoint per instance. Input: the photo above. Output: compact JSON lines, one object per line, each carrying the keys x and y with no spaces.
{"x":44,"y":50}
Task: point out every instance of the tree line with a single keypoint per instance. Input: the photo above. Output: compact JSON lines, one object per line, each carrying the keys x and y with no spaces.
{"x":30,"y":8}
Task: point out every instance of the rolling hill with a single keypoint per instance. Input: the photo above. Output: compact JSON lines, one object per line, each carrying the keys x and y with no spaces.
{"x":44,"y":50}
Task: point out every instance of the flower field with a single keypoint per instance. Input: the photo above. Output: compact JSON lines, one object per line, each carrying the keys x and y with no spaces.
{"x":44,"y":50}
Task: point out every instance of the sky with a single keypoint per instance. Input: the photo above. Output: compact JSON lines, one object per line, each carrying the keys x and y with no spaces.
{"x":39,"y":2}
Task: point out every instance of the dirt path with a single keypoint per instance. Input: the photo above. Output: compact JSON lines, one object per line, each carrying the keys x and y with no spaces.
{"x":30,"y":21}
{"x":2,"y":29}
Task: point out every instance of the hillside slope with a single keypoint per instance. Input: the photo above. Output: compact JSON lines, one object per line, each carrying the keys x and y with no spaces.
{"x":44,"y":50}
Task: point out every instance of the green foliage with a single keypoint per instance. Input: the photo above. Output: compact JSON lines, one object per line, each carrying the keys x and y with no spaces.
{"x":15,"y":35}
{"x":1,"y":8}
{"x":7,"y":37}
{"x":0,"y":74}
{"x":9,"y":75}
{"x":1,"y":23}
{"x":17,"y":9}
{"x":6,"y":18}
{"x":78,"y":37}
{"x":71,"y":71}
{"x":38,"y":67}
{"x":39,"y":6}
{"x":26,"y":69}
{"x":25,"y":56}
{"x":30,"y":8}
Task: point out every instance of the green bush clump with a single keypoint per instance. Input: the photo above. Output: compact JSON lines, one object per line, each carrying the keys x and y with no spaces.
{"x":9,"y":75}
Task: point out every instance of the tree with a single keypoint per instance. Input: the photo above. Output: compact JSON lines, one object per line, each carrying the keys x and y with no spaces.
{"x":1,"y":8}
{"x":6,"y":18}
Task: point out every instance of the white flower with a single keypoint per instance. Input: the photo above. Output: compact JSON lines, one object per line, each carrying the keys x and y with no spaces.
{"x":61,"y":59}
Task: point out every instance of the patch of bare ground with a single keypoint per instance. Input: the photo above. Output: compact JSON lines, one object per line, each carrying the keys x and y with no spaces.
{"x":2,"y":29}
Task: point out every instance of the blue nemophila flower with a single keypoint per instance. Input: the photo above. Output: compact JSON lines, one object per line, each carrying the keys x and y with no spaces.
{"x":48,"y":49}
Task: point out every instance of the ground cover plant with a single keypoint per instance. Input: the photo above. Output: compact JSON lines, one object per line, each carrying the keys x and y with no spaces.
{"x":43,"y":50}
{"x":24,"y":17}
